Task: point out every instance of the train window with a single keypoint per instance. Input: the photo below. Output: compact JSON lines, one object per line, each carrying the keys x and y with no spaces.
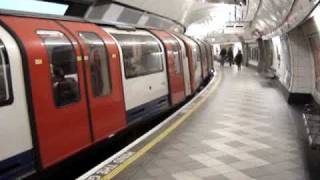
{"x":176,"y":56}
{"x":5,"y":80}
{"x":63,"y":67}
{"x":99,"y":66}
{"x":142,"y":54}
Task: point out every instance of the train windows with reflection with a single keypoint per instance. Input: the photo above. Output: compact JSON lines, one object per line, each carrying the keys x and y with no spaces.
{"x":63,"y":67}
{"x":142,"y":54}
{"x":5,"y":80}
{"x":99,"y":64}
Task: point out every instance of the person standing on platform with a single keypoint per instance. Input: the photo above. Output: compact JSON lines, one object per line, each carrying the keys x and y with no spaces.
{"x":230,"y":56}
{"x":238,"y":60}
{"x":223,"y":54}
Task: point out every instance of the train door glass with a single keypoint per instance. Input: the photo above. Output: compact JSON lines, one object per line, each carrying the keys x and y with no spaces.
{"x":63,"y":67}
{"x":176,"y":56}
{"x":4,"y":76}
{"x":99,"y":67}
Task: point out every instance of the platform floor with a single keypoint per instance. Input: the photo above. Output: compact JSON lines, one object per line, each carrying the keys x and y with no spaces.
{"x":243,"y":131}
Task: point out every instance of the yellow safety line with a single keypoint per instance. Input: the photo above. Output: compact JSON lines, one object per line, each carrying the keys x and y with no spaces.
{"x":159,"y":138}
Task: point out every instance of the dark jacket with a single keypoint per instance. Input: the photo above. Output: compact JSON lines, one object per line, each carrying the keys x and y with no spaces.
{"x":230,"y":54}
{"x":223,"y":52}
{"x":238,"y":59}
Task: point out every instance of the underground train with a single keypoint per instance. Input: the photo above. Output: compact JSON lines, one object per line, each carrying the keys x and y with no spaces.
{"x":66,"y":84}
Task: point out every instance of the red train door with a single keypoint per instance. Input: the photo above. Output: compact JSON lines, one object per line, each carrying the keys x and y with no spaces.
{"x":174,"y":66}
{"x":192,"y":62}
{"x":103,"y":73}
{"x":58,"y":95}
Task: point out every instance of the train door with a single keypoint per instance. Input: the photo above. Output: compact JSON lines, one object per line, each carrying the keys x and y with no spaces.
{"x":191,"y":61}
{"x":208,"y":56}
{"x":103,"y":73}
{"x":211,"y":57}
{"x":185,"y":65}
{"x":57,"y":88}
{"x":174,"y":66}
{"x":15,"y":136}
{"x":197,"y":62}
{"x":204,"y":60}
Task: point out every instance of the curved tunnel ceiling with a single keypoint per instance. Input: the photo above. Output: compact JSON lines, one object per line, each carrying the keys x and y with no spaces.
{"x":174,"y":9}
{"x":226,"y":20}
{"x":270,"y":14}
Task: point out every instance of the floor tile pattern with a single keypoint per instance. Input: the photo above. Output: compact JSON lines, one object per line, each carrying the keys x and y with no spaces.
{"x":244,"y":131}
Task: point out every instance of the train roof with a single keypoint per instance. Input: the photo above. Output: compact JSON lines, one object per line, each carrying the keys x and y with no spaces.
{"x":117,"y":25}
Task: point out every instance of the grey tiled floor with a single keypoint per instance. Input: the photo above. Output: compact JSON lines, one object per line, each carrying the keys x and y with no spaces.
{"x":243,"y":131}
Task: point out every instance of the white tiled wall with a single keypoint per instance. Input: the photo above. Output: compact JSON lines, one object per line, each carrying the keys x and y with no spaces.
{"x":301,"y":62}
{"x":312,"y":28}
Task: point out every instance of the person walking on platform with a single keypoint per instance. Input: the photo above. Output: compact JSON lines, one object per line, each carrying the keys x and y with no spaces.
{"x":223,"y":54}
{"x":238,"y":60}
{"x":230,"y":56}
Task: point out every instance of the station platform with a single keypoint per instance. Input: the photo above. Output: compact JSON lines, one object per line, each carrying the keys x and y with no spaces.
{"x":240,"y":129}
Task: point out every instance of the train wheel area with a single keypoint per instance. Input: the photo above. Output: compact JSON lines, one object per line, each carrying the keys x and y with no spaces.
{"x":242,"y":130}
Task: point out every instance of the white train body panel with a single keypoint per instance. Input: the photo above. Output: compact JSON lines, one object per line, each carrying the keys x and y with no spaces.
{"x":15,"y":133}
{"x":143,"y":89}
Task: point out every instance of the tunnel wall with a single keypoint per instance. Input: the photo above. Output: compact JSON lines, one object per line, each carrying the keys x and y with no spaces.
{"x":301,"y":62}
{"x":294,"y":64}
{"x":282,"y":61}
{"x":311,"y":32}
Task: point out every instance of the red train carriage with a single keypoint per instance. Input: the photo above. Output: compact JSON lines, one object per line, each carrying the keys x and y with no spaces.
{"x":60,"y":109}
{"x":75,"y":83}
{"x":78,"y":93}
